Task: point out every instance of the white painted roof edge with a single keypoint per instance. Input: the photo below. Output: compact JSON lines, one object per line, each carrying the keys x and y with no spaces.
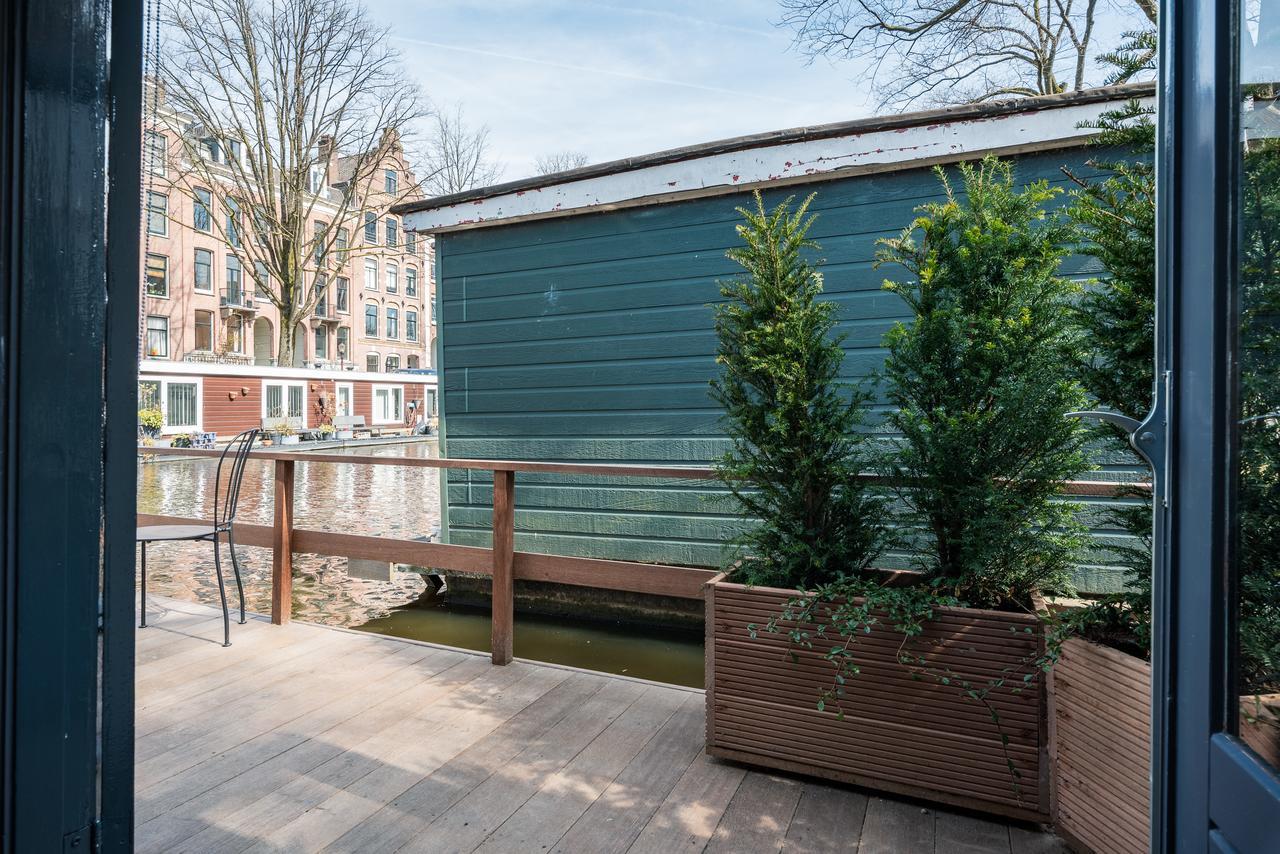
{"x":792,"y":162}
{"x":156,"y":367}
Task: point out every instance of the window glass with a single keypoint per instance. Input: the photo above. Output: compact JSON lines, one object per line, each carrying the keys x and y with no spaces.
{"x":204,"y":330}
{"x":411,"y":362}
{"x":180,"y":400}
{"x":262,"y":279}
{"x":343,"y":395}
{"x":157,"y":275}
{"x":371,"y":363}
{"x":204,"y":270}
{"x":371,"y":320}
{"x":343,"y":287}
{"x":388,"y":404}
{"x":322,"y":343}
{"x":233,"y":222}
{"x":157,"y":153}
{"x":344,"y":342}
{"x":235,"y":292}
{"x":393,"y":322}
{"x":370,"y":227}
{"x":410,"y":241}
{"x":393,"y":363}
{"x":410,"y":325}
{"x":393,"y":278}
{"x":158,"y":336}
{"x":235,"y":334}
{"x":157,"y":214}
{"x":340,"y":243}
{"x":202,"y":210}
{"x":411,"y":282}
{"x":389,"y":180}
{"x":393,"y":232}
{"x":318,"y":240}
{"x":148,"y":394}
{"x":370,"y":275}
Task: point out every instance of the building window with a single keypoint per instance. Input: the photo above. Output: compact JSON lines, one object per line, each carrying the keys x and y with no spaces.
{"x":261,"y":278}
{"x":204,"y":270}
{"x":322,"y":304}
{"x":410,"y":241}
{"x":284,"y":400}
{"x":411,"y":362}
{"x":388,"y":403}
{"x":340,"y":244}
{"x":317,"y":178}
{"x":393,"y":323}
{"x":235,"y":284}
{"x":371,"y":363}
{"x":343,"y":288}
{"x":390,"y":181}
{"x":344,"y":342}
{"x":157,"y":152}
{"x":317,"y":239}
{"x":370,"y":275}
{"x":410,"y":325}
{"x":233,"y":151}
{"x":235,"y":334}
{"x":371,"y":320}
{"x":410,"y":282}
{"x":393,"y":363}
{"x":177,"y":400}
{"x":393,"y":232}
{"x":233,"y":222}
{"x":204,"y":330}
{"x":393,"y":278}
{"x":202,"y":213}
{"x":370,"y":227}
{"x":211,"y":148}
{"x":157,"y":214}
{"x":158,"y":336}
{"x":322,"y":343}
{"x":157,"y":275}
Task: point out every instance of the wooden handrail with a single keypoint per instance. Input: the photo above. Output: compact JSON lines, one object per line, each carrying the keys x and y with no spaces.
{"x":500,"y":561}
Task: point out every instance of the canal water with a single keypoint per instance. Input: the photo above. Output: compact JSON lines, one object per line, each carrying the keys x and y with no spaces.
{"x":380,"y":501}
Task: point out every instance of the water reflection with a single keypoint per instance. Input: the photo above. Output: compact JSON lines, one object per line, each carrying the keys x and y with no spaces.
{"x":385,"y":501}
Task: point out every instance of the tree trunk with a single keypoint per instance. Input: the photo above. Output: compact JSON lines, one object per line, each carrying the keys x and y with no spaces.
{"x":284,"y":348}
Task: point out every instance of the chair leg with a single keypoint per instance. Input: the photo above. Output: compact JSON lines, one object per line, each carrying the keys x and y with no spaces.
{"x":222,"y":593}
{"x":235,"y":565}
{"x":143,"y":623}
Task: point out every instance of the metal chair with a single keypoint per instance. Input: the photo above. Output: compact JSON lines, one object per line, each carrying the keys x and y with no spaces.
{"x":225,"y":498}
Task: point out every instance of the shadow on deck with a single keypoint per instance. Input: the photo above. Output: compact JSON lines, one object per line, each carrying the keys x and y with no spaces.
{"x":307,"y":738}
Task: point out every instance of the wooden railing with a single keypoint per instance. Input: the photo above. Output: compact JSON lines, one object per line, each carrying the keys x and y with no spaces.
{"x":501,"y":561}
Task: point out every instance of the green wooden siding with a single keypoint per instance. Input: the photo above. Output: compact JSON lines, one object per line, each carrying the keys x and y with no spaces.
{"x":591,"y":338}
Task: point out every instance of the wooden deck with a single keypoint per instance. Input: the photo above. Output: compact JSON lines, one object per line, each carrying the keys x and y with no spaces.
{"x":305,"y":738}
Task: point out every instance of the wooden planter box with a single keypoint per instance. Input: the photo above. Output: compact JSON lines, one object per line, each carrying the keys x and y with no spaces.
{"x":907,"y":736}
{"x":1100,"y":744}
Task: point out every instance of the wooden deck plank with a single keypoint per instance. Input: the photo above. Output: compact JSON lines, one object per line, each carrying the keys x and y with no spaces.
{"x":758,"y":816}
{"x":413,"y":810}
{"x":466,"y":825}
{"x":828,"y":820}
{"x":893,"y":827}
{"x":613,"y":822}
{"x":689,"y":814}
{"x":306,"y":738}
{"x":565,"y":795}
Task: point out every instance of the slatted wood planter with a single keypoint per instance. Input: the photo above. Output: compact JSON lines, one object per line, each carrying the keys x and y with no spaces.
{"x":899,"y":734}
{"x":1260,"y":725}
{"x":1100,"y":744}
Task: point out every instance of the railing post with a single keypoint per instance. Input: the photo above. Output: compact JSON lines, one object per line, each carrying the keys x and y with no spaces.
{"x":504,"y":487}
{"x":282,"y":545}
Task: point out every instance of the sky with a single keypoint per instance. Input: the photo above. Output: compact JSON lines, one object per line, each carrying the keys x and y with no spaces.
{"x":615,"y":79}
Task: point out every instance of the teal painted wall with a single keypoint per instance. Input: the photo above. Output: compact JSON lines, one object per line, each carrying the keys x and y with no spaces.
{"x":591,"y":338}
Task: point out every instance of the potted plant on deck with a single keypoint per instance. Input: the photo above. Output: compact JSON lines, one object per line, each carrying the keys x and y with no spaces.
{"x":150,"y":423}
{"x":924,"y":682}
{"x":287,"y":432}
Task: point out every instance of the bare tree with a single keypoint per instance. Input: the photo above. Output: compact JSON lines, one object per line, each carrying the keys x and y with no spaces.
{"x":274,"y":89}
{"x":957,"y":51}
{"x":560,"y":161}
{"x":458,"y":157}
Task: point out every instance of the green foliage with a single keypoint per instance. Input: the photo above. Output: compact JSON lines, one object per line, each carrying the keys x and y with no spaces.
{"x":981,"y":382}
{"x":151,"y":420}
{"x":795,"y":454}
{"x":1117,"y":314}
{"x":1135,"y":56}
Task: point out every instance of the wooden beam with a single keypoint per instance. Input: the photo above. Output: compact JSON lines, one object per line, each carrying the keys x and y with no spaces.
{"x":684,"y":582}
{"x":282,"y":545}
{"x":503,"y":599}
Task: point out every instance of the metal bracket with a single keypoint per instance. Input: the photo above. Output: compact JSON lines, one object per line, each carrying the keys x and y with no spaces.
{"x":1148,"y":438}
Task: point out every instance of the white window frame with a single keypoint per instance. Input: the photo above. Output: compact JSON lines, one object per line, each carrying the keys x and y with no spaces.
{"x":392,"y":272}
{"x":370,"y":275}
{"x":164,"y":383}
{"x":388,"y":389}
{"x":168,"y":337}
{"x":162,"y":212}
{"x":194,"y":285}
{"x":285,"y":385}
{"x":350,"y":389}
{"x":377,"y":361}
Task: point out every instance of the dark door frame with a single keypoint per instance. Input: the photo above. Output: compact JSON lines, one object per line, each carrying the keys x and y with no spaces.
{"x":1209,"y":792}
{"x":67,"y":474}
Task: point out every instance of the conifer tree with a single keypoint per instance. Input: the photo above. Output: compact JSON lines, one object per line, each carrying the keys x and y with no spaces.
{"x":980,"y":382}
{"x":795,"y":452}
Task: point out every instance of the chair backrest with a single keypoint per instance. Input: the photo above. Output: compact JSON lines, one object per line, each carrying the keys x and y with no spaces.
{"x":227,"y":495}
